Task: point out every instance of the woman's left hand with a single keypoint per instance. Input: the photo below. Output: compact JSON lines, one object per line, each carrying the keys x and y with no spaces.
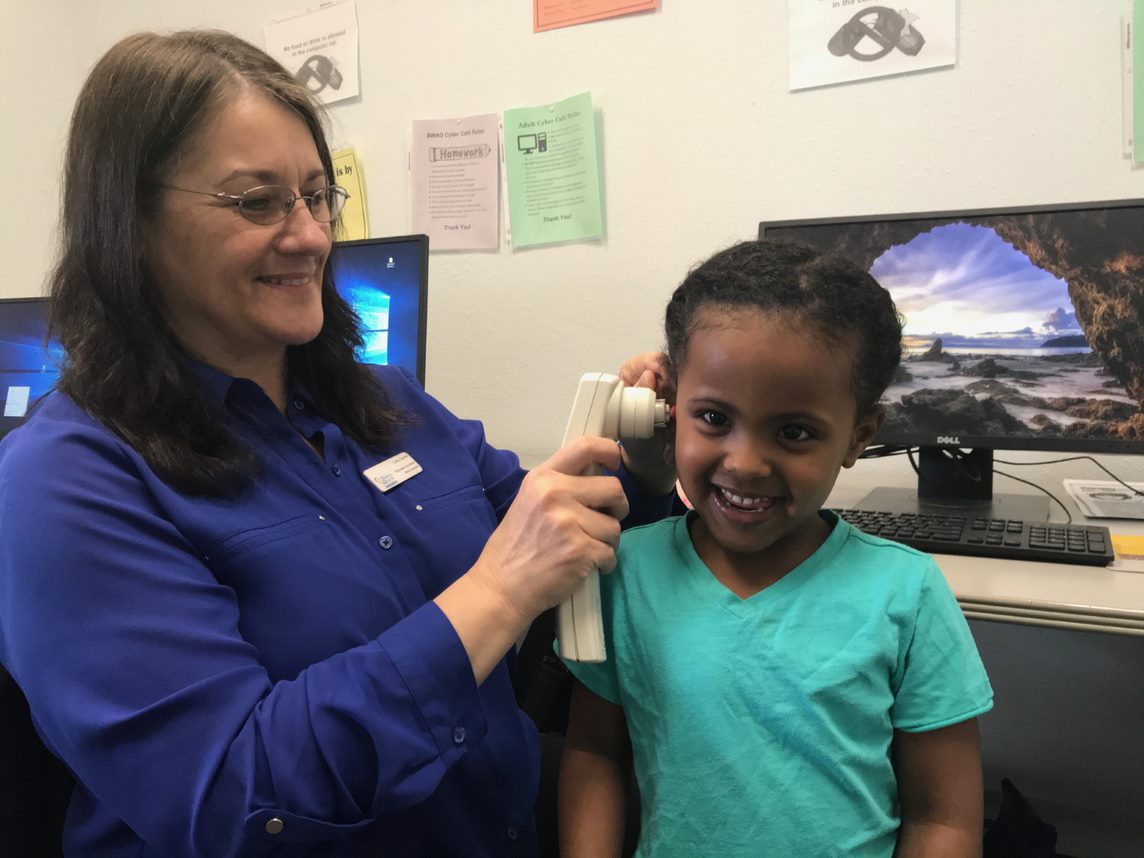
{"x":651,"y":462}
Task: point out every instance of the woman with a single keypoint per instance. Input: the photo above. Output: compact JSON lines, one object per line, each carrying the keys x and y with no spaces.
{"x":237,"y":643}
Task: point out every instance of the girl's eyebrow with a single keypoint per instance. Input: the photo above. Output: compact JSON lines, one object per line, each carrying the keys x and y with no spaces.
{"x":709,"y":401}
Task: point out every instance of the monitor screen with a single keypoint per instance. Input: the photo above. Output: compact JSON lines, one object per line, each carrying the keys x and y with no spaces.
{"x":28,"y":364}
{"x":385,"y":280}
{"x":1021,"y":327}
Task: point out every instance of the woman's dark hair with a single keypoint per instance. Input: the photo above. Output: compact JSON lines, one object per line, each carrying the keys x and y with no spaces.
{"x":138,"y":113}
{"x":836,"y":297}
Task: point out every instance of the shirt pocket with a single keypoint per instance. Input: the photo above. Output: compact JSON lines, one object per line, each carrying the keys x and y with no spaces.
{"x":440,"y":502}
{"x":238,"y":544}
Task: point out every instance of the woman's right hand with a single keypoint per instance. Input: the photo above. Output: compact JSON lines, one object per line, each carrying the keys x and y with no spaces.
{"x":560,"y":527}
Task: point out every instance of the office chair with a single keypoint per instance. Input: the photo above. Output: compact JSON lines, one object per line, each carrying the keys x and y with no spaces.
{"x":35,"y":787}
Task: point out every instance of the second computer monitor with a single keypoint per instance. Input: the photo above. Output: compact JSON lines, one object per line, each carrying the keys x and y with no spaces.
{"x":29,"y":364}
{"x":1022,"y":330}
{"x":385,"y":280}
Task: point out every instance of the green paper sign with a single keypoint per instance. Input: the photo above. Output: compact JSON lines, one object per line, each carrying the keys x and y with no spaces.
{"x":1137,"y":82}
{"x":552,"y":173}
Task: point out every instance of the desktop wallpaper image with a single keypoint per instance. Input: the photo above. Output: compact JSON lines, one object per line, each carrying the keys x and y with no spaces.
{"x":1026,"y":325}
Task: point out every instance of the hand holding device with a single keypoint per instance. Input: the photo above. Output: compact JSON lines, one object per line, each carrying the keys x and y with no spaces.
{"x":605,"y":407}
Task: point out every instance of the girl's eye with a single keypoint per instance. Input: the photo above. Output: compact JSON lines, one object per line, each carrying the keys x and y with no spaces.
{"x":794,"y":432}
{"x":713,"y":418}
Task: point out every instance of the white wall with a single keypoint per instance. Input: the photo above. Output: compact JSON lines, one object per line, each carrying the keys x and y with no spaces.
{"x":701,"y":141}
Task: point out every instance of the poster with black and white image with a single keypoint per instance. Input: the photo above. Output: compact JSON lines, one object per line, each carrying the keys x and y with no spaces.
{"x":320,"y":47}
{"x":838,"y":41}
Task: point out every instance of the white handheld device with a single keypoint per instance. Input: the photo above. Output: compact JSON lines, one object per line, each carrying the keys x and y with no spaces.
{"x":603,"y":407}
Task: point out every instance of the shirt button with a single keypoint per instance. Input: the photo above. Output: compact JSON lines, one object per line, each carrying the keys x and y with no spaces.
{"x":386,"y":542}
{"x":299,"y":404}
{"x":512,"y":833}
{"x":275,"y":826}
{"x":459,"y":736}
{"x":337,"y":469}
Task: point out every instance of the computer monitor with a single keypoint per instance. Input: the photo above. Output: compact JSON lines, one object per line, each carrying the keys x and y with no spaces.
{"x":29,"y":365}
{"x":1024,"y":330}
{"x":386,"y":280}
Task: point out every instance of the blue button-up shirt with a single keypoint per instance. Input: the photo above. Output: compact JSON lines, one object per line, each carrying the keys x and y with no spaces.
{"x":268,"y":674}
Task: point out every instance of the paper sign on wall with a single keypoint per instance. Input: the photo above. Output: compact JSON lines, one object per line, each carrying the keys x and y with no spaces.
{"x":453,"y":167}
{"x":353,"y":222}
{"x":1137,"y":72}
{"x":550,"y":14}
{"x":320,"y":48}
{"x":552,"y":173}
{"x":834,"y":41}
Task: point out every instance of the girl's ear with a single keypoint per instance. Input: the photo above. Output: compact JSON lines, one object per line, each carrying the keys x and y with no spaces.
{"x":864,"y":433}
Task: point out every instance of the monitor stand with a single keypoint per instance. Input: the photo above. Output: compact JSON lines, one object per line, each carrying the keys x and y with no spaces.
{"x":956,"y":482}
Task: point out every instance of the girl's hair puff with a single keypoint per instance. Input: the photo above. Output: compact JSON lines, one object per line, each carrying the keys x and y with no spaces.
{"x":830,"y":294}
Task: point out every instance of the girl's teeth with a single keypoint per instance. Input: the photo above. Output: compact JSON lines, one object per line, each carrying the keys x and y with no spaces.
{"x":739,"y":500}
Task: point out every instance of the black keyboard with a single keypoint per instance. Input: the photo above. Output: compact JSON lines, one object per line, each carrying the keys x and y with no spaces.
{"x":988,"y":537}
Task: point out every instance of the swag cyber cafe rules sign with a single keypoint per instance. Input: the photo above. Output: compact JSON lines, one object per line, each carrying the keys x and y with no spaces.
{"x":453,"y":170}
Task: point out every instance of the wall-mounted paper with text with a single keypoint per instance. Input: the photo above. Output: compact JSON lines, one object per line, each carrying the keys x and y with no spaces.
{"x":353,"y":222}
{"x":552,"y":173}
{"x":835,"y":41}
{"x":320,"y":48}
{"x":453,"y":168}
{"x":550,"y":14}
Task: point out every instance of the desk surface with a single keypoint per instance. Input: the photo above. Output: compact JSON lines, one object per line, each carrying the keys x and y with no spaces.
{"x":1061,"y":595}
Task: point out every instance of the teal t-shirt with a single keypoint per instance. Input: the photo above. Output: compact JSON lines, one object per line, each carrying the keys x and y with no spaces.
{"x":762,"y":726}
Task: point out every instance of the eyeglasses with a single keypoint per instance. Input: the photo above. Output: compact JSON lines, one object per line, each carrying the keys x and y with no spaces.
{"x":268,"y":204}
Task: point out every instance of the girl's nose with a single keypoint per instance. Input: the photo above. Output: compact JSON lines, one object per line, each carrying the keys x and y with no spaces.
{"x":747,"y":457}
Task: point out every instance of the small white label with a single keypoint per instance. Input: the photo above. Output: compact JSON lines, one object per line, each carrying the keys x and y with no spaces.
{"x":16,"y":403}
{"x":393,"y":471}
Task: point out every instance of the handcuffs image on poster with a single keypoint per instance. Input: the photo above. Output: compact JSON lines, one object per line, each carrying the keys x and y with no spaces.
{"x":837,"y":41}
{"x":320,"y":47}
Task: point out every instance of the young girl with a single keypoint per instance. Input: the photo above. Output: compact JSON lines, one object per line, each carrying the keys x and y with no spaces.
{"x":784,"y":683}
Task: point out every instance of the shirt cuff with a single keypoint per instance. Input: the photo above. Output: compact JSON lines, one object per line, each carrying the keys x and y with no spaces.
{"x":436,"y":669}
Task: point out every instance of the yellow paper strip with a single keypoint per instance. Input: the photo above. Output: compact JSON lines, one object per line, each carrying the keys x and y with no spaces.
{"x":354,"y":220}
{"x":1128,"y":547}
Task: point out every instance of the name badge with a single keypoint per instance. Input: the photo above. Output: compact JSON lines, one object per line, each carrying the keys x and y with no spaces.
{"x":392,"y":472}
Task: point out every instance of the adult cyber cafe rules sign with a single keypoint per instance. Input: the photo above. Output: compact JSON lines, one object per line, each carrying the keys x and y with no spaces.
{"x":837,"y":41}
{"x":320,"y":48}
{"x":552,"y":175}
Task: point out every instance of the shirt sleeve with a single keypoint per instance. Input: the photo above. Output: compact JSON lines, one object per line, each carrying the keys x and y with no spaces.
{"x":940,"y":679}
{"x":131,"y":655}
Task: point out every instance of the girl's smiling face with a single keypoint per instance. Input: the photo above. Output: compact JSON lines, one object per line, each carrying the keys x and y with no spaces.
{"x":765,"y":419}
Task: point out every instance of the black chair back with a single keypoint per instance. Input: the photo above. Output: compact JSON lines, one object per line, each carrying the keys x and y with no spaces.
{"x":35,"y":787}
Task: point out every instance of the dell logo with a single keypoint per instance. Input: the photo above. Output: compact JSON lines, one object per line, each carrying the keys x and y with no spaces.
{"x":948,"y":439}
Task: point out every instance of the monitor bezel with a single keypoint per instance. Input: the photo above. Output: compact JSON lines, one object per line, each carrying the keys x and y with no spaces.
{"x":422,"y":284}
{"x":907,"y":439}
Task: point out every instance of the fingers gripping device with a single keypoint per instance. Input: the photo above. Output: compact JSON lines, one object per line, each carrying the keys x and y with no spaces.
{"x":605,"y":407}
